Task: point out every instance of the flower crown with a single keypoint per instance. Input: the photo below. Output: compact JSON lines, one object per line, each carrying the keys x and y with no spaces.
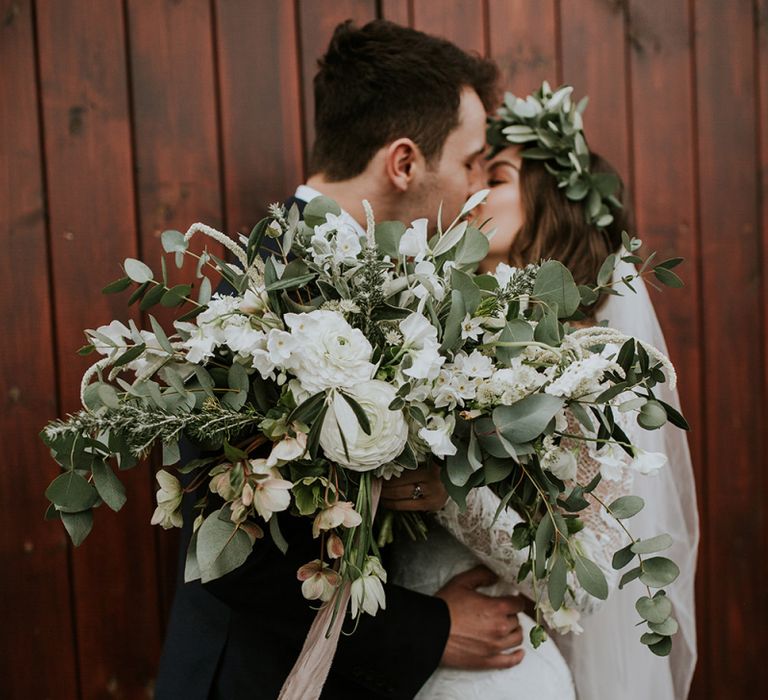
{"x":549,"y":127}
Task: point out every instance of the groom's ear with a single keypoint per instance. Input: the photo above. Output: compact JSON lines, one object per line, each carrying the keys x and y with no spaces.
{"x":403,"y":162}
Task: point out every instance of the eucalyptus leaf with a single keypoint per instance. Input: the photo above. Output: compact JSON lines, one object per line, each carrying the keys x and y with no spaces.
{"x":591,"y":577}
{"x":555,"y":287}
{"x":658,"y":572}
{"x":221,"y":547}
{"x":71,"y":492}
{"x":626,"y":506}
{"x":652,"y":544}
{"x":78,"y":525}
{"x":109,"y":487}
{"x":656,"y":609}
{"x":526,"y":419}
{"x":137,"y":270}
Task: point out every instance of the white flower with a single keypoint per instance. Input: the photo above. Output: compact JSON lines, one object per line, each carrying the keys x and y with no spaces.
{"x":241,"y":337}
{"x":612,"y":460}
{"x":367,"y":592}
{"x":254,"y":301}
{"x":271,"y":492}
{"x":288,"y":449}
{"x":648,"y":463}
{"x":425,"y":363}
{"x":389,"y":430}
{"x":328,"y":353}
{"x":475,"y":365}
{"x":503,"y":274}
{"x":116,"y":331}
{"x":340,"y":513}
{"x":413,"y":243}
{"x":430,"y":283}
{"x":582,"y":378}
{"x":561,"y":462}
{"x":471,"y":327}
{"x":438,"y":435}
{"x":334,"y":241}
{"x":169,"y":495}
{"x":319,"y":580}
{"x":279,"y":345}
{"x":417,"y":331}
{"x":564,"y":620}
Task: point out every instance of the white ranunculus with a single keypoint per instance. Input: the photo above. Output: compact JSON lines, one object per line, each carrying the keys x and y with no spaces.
{"x":438,"y":435}
{"x":413,"y":243}
{"x":648,"y":463}
{"x":328,"y":353}
{"x":389,"y":431}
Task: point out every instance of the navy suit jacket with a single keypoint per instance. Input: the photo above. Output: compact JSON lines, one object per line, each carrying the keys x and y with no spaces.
{"x":236,"y":638}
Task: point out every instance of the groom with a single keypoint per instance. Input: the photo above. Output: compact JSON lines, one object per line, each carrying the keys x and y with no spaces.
{"x":400,"y":121}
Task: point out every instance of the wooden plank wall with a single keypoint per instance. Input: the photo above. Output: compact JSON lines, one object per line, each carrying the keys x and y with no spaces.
{"x":120,"y":118}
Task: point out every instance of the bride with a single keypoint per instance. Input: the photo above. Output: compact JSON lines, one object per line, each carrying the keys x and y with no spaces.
{"x":600,"y":655}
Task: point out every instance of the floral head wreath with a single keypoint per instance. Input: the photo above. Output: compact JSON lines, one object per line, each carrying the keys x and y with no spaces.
{"x":549,"y":128}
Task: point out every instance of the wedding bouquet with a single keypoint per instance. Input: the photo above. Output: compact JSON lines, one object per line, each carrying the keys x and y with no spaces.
{"x":339,"y":359}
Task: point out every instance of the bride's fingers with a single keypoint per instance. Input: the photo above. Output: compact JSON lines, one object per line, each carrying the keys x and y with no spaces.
{"x":405,"y":492}
{"x":500,"y":661}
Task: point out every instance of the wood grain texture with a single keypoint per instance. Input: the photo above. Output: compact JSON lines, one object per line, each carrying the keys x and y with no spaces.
{"x":177,"y":158}
{"x":35,"y":587}
{"x":664,"y":178}
{"x":732,"y":279}
{"x":459,"y":21}
{"x":593,"y":55}
{"x":260,"y":107}
{"x":93,"y":228}
{"x":398,"y":11}
{"x":317,"y":20}
{"x":523,"y":41}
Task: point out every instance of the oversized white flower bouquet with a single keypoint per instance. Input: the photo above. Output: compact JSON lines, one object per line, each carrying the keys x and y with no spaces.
{"x":339,"y":359}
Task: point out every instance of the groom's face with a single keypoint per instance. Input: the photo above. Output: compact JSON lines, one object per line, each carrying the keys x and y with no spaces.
{"x":458,"y":172}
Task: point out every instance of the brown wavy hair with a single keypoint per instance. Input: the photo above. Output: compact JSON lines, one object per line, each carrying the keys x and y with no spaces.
{"x":556,"y":227}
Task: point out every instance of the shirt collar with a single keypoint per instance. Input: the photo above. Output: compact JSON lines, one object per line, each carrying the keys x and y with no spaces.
{"x":306,"y":194}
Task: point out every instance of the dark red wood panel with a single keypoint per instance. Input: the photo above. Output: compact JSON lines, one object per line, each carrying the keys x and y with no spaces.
{"x":523,"y":41}
{"x":731,"y":285}
{"x":93,"y":227}
{"x":664,"y":191}
{"x":176,"y":155}
{"x":317,"y":20}
{"x":593,"y":55}
{"x":260,"y":107}
{"x":398,"y":11}
{"x":460,"y":21}
{"x":34,"y":584}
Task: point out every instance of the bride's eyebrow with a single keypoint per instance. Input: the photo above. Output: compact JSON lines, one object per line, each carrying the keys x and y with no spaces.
{"x":505,"y":162}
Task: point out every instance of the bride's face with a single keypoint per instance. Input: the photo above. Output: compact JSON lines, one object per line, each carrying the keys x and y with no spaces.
{"x":503,"y":205}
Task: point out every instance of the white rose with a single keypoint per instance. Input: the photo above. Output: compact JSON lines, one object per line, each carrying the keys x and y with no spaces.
{"x":327,"y":352}
{"x":389,"y":431}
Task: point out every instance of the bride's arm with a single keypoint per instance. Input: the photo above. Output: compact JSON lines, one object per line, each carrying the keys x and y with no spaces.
{"x":492,"y":543}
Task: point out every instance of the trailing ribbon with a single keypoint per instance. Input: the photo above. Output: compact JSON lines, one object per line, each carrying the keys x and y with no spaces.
{"x":308,"y":675}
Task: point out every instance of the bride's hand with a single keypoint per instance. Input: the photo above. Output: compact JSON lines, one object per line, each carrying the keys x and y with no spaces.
{"x":483,"y":628}
{"x":420,"y":489}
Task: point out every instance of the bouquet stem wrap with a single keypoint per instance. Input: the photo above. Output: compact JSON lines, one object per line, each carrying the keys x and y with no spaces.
{"x":307,"y":677}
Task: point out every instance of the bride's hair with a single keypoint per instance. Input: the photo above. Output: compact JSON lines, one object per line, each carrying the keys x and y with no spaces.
{"x":556,"y":227}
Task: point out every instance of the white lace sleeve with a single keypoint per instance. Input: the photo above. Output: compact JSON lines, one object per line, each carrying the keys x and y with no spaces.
{"x":491,"y":541}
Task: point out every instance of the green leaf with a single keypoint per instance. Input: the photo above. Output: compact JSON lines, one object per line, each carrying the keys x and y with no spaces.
{"x":470,"y":292}
{"x":588,"y":295}
{"x":667,"y":277}
{"x":191,"y":567}
{"x":549,"y":330}
{"x":526,"y":419}
{"x":674,"y":416}
{"x":360,"y":414}
{"x":472,"y":248}
{"x":557,"y":583}
{"x":449,"y":239}
{"x":237,"y":379}
{"x":667,"y":627}
{"x":152,"y":297}
{"x":255,"y":239}
{"x":555,"y":287}
{"x":138,"y":293}
{"x":175,"y":295}
{"x":221,"y":547}
{"x":516,"y":331}
{"x":591,"y":577}
{"x":631,"y":575}
{"x":659,"y":572}
{"x":108,"y":395}
{"x":291,"y":283}
{"x":315,"y":211}
{"x":388,"y":235}
{"x":662,"y":648}
{"x":173,"y":241}
{"x":117,"y":286}
{"x":650,"y":638}
{"x":626,"y":506}
{"x":162,"y":338}
{"x":307,"y":411}
{"x":137,"y":270}
{"x":606,"y":271}
{"x":171,"y":453}
{"x":129,"y":355}
{"x":655,"y":610}
{"x":622,"y":557}
{"x":652,"y":415}
{"x":276,"y":535}
{"x":582,"y":416}
{"x":456,"y":315}
{"x":458,"y":466}
{"x":78,"y":525}
{"x":538,"y":636}
{"x":652,"y":544}
{"x":204,"y":293}
{"x":110,"y":488}
{"x":71,"y":492}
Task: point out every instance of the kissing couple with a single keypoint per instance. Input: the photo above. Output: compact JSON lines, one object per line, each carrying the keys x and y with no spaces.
{"x":400,"y":121}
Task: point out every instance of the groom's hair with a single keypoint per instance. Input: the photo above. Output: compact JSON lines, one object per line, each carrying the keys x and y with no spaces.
{"x":382,"y":82}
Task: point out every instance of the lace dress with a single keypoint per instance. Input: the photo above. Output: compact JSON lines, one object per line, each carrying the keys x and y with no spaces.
{"x":458,"y":541}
